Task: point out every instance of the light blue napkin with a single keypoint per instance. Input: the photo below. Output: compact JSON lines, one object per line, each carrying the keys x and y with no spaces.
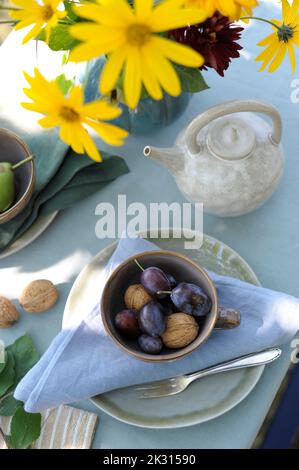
{"x":83,"y":361}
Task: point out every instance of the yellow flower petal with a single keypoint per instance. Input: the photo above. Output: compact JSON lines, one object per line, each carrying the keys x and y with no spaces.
{"x":23,"y":24}
{"x":89,"y":145}
{"x":286,"y":11}
{"x":178,"y":53}
{"x":132,"y":78}
{"x":89,"y":50}
{"x":54,"y":3}
{"x":162,"y":20}
{"x":29,"y":5}
{"x":292,"y":57}
{"x":112,"y":70}
{"x":143,"y":8}
{"x":101,"y":110}
{"x":268,"y":53}
{"x":173,"y":3}
{"x":69,"y":113}
{"x":66,"y":133}
{"x":38,"y":108}
{"x":98,"y":34}
{"x":90,"y":11}
{"x":295,"y":39}
{"x":148,"y":77}
{"x":76,"y":96}
{"x":113,"y":15}
{"x":164,"y":71}
{"x":294,"y":11}
{"x":277,"y":61}
{"x":71,"y":135}
{"x":268,"y":40}
{"x":33,"y":32}
{"x":42,"y":88}
{"x":48,"y":121}
{"x":76,"y":141}
{"x":38,"y":13}
{"x":22,"y":15}
{"x":111,"y":134}
{"x":209,"y":6}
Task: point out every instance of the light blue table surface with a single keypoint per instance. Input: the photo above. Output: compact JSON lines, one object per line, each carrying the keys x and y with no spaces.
{"x":268,"y":239}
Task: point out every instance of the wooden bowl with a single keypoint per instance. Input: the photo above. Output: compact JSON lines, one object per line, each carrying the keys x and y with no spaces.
{"x":127,"y":273}
{"x":13,"y":150}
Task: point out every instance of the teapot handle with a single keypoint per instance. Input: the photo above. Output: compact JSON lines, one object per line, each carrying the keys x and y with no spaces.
{"x":231,"y":107}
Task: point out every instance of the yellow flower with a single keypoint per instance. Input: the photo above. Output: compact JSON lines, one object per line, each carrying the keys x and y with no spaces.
{"x":72,"y":115}
{"x":41,"y":14}
{"x":128,"y":35}
{"x":282,"y":40}
{"x":231,"y":8}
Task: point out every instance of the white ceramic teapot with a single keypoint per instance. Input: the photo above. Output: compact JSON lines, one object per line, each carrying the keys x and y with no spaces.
{"x":227,"y":158}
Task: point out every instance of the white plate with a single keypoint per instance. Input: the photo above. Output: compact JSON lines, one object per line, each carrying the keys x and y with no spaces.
{"x":203,"y":400}
{"x":36,"y":229}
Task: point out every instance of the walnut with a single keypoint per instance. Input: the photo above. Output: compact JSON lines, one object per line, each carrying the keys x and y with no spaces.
{"x":8,"y":313}
{"x":181,"y":330}
{"x":136,"y":297}
{"x":39,"y":296}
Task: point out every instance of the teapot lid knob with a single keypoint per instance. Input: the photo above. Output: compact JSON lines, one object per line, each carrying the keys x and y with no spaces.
{"x":231,"y":138}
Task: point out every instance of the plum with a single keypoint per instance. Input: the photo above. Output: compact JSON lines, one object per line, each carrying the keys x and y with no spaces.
{"x":155,"y":282}
{"x":150,"y":345}
{"x":151,"y":319}
{"x":126,"y":322}
{"x":191,"y":299}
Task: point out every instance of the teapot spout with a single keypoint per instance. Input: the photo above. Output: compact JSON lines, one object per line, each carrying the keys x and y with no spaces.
{"x":171,"y":158}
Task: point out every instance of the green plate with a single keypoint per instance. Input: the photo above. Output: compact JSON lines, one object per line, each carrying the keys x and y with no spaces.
{"x":203,"y":400}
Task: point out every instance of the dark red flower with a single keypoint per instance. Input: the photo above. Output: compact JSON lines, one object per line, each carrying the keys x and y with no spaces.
{"x":215,"y":39}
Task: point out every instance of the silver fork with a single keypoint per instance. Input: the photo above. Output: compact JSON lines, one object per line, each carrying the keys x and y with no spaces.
{"x":164,"y":388}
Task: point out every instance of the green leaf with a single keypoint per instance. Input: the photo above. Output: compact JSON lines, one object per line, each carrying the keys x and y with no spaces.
{"x":60,"y":38}
{"x":25,"y":428}
{"x":2,"y":364}
{"x":63,"y":83}
{"x":9,"y":405}
{"x":25,"y":356}
{"x":7,"y":376}
{"x":191,"y":79}
{"x":70,"y":13}
{"x":65,"y":58}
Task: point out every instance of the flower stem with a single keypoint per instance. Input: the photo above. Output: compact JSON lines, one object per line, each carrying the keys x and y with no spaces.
{"x":260,"y":19}
{"x":138,"y":264}
{"x":17,"y":165}
{"x":5,"y":396}
{"x":68,"y":21}
{"x":9,"y":8}
{"x":8,"y":22}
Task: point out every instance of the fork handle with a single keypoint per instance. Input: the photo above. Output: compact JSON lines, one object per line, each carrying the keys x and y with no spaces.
{"x":251,"y":360}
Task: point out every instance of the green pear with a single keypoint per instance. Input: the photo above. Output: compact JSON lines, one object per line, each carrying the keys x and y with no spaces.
{"x":7,"y":183}
{"x":7,"y":186}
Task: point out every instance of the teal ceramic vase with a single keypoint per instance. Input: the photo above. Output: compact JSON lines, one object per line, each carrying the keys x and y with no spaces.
{"x":149,"y":116}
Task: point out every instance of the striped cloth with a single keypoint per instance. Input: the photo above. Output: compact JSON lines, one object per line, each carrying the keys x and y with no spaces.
{"x":62,"y":428}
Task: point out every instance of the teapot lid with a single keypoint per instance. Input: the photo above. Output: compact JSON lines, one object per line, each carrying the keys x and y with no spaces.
{"x":231,"y":138}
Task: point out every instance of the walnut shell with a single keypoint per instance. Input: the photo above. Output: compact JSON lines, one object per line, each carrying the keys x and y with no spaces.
{"x":8,"y":313}
{"x":39,"y":296}
{"x":181,"y":330}
{"x":136,"y":297}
